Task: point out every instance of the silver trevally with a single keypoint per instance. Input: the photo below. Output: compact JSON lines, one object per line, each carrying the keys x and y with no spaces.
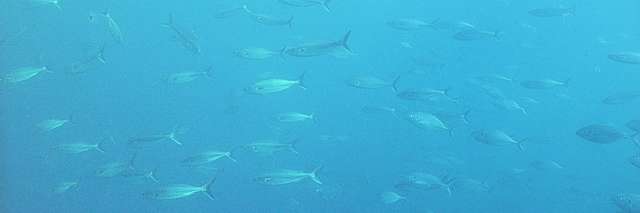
{"x":408,"y":24}
{"x":186,"y":77}
{"x":474,"y":34}
{"x":372,"y":82}
{"x":115,"y":169}
{"x":509,"y":105}
{"x":140,"y":176}
{"x":544,"y":84}
{"x":470,"y":185}
{"x":256,"y":53}
{"x":38,"y":3}
{"x":76,"y":148}
{"x":270,"y":147}
{"x":319,"y":48}
{"x":497,"y":138}
{"x":391,"y":197}
{"x":154,"y":138}
{"x":453,"y":26}
{"x":627,"y":202}
{"x":187,"y":39}
{"x":176,"y":191}
{"x":89,"y":63}
{"x":112,"y":25}
{"x":601,"y":133}
{"x":287,"y":176}
{"x":424,"y":94}
{"x":369,"y":109}
{"x":307,"y":3}
{"x":206,"y":157}
{"x":23,"y":74}
{"x":425,"y":181}
{"x":268,"y":19}
{"x":51,"y":124}
{"x":65,"y":187}
{"x":621,"y":98}
{"x":426,"y":121}
{"x":552,"y":12}
{"x":626,"y":57}
{"x":228,"y":12}
{"x":543,"y":165}
{"x":274,"y":85}
{"x":294,"y":117}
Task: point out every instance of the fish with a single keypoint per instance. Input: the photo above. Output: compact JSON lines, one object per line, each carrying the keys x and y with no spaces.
{"x":600,"y":133}
{"x":268,"y":20}
{"x":425,"y":94}
{"x":51,"y":124}
{"x":552,"y":12}
{"x":77,"y":148}
{"x":229,"y":12}
{"x":140,"y":176}
{"x":453,"y":26}
{"x":371,"y":82}
{"x":187,"y":40}
{"x":115,"y":169}
{"x":426,"y":121}
{"x":112,"y":25}
{"x":320,"y":48}
{"x":545,"y":165}
{"x":54,"y":3}
{"x":378,"y":109}
{"x":621,"y":98}
{"x":275,"y":85}
{"x":470,"y":185}
{"x":497,"y":138}
{"x":627,"y":202}
{"x":186,"y":77}
{"x":474,"y":35}
{"x":449,"y":117}
{"x":176,"y":191}
{"x":294,"y":117}
{"x":254,"y":53}
{"x":23,"y":74}
{"x":544,"y":84}
{"x":207,"y":157}
{"x":391,"y":197}
{"x":408,"y":24}
{"x":625,"y":57}
{"x":288,"y":176}
{"x":270,"y":147}
{"x":425,"y":182}
{"x":90,"y":62}
{"x":307,"y":3}
{"x":509,"y":105}
{"x":155,"y":138}
{"x":65,"y":187}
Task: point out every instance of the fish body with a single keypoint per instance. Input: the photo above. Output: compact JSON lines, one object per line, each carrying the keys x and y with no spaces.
{"x":51,"y":124}
{"x":625,"y":57}
{"x":545,"y":165}
{"x":187,"y":40}
{"x":391,"y":197}
{"x":320,"y":48}
{"x":65,"y":187}
{"x":255,"y":53}
{"x":552,"y":12}
{"x":114,"y":169}
{"x":426,"y":121}
{"x":473,"y":35}
{"x":274,"y":85}
{"x":621,"y":98}
{"x":140,"y":176}
{"x":23,"y":74}
{"x":293,"y":117}
{"x":371,"y":82}
{"x":600,"y":133}
{"x":176,"y":191}
{"x":425,"y":181}
{"x":154,"y":138}
{"x":543,"y":84}
{"x":186,"y":77}
{"x":407,"y":24}
{"x":271,"y":147}
{"x":206,"y":157}
{"x":229,"y":12}
{"x":76,"y":148}
{"x":287,"y":176}
{"x":453,"y":26}
{"x":496,"y":138}
{"x":510,"y":105}
{"x":268,"y":20}
{"x":424,"y":94}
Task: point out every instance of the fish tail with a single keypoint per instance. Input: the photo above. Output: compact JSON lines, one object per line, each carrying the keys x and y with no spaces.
{"x":228,"y":155}
{"x":290,"y":22}
{"x":99,"y":147}
{"x":465,"y":116}
{"x":100,"y":55}
{"x":293,"y":146}
{"x":344,"y":42}
{"x":132,"y":160}
{"x":57,"y":4}
{"x":498,"y":35}
{"x":246,"y":9}
{"x":314,"y":175}
{"x":208,"y":190}
{"x":301,"y":82}
{"x":152,"y":175}
{"x":519,"y":144}
{"x":394,"y":85}
{"x":325,"y":5}
{"x":176,"y":141}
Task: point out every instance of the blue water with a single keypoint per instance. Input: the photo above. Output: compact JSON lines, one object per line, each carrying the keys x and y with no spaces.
{"x":362,"y":154}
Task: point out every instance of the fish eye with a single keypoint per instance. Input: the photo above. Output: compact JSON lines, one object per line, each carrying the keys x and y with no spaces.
{"x":301,"y":50}
{"x":267,"y":179}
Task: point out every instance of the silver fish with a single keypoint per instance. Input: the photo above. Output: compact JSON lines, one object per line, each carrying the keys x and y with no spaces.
{"x":509,"y":105}
{"x":269,"y":86}
{"x":294,"y":117}
{"x":187,"y":40}
{"x":268,"y":20}
{"x":76,"y":148}
{"x":473,"y":35}
{"x":207,"y":157}
{"x":426,"y":121}
{"x":621,"y":98}
{"x":112,"y":25}
{"x":186,"y":77}
{"x":256,"y":53}
{"x":140,"y":176}
{"x":625,"y":57}
{"x":270,"y":147}
{"x":496,"y":138}
{"x":425,"y":94}
{"x":89,"y":63}
{"x":65,"y":187}
{"x":51,"y":124}
{"x":425,"y":181}
{"x":176,"y":191}
{"x":115,"y":169}
{"x":552,"y":12}
{"x":600,"y":133}
{"x":229,"y":12}
{"x":408,"y":24}
{"x":319,"y":49}
{"x":371,"y":82}
{"x":23,"y":74}
{"x":391,"y":197}
{"x":40,"y":3}
{"x":544,"y":84}
{"x":287,"y":176}
{"x":155,"y":138}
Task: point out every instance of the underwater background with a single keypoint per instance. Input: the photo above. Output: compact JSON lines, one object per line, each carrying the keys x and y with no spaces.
{"x":319,"y":106}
